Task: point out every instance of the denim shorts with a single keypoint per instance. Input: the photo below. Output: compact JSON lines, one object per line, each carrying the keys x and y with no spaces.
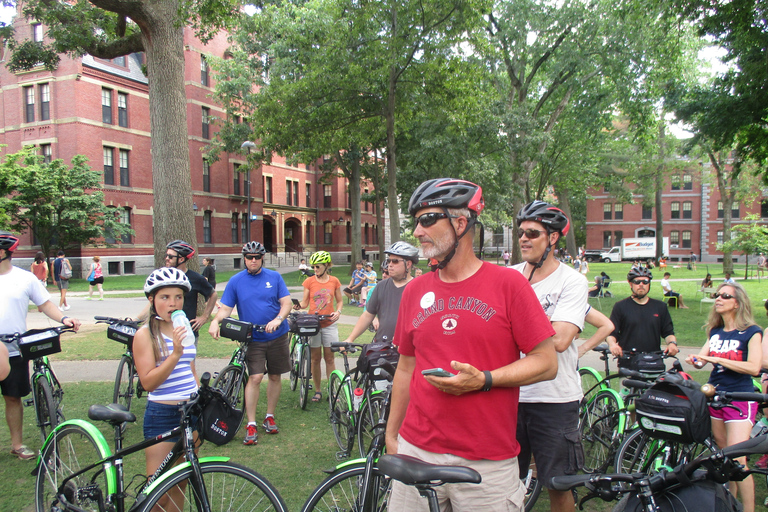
{"x":160,"y":418}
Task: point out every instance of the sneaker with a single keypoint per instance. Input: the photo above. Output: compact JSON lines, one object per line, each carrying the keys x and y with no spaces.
{"x":352,"y":301}
{"x":762,"y":462}
{"x":269,"y":425}
{"x":23,"y":453}
{"x":66,"y":308}
{"x":88,"y":298}
{"x":250,"y":435}
{"x":361,"y":305}
{"x":61,"y":308}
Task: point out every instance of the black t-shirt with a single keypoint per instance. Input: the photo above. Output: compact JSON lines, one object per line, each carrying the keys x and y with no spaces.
{"x":210,"y":275}
{"x":641,"y":326}
{"x":199,"y":286}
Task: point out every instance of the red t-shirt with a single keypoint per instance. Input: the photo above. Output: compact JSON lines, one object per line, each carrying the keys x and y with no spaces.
{"x":486,"y":320}
{"x":321,"y":296}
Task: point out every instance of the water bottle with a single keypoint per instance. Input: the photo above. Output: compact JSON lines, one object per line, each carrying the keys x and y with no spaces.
{"x":180,"y":319}
{"x":357,"y":398}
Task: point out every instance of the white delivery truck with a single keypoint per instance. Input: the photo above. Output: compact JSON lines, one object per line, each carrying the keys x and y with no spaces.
{"x":635,"y":249}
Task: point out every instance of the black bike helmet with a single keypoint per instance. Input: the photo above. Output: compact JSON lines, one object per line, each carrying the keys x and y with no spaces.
{"x":254,"y":248}
{"x":405,"y":250}
{"x":551,"y":217}
{"x":634,"y":273}
{"x":8,"y":241}
{"x":165,"y":277}
{"x":447,"y":193}
{"x":182,"y":248}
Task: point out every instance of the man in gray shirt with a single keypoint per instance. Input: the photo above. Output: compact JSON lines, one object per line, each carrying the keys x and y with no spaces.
{"x":382,"y":307}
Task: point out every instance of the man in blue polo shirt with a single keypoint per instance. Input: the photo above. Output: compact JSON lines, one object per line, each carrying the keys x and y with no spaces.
{"x":261,"y":298}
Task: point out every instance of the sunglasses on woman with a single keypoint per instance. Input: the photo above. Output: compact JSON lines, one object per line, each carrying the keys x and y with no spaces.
{"x":725,"y":296}
{"x":254,"y":256}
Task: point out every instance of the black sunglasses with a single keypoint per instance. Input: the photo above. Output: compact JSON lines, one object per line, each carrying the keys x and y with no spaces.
{"x":641,"y":281}
{"x":394,"y":260}
{"x":429,"y":219}
{"x":171,"y":256}
{"x":530,"y":233}
{"x":725,"y":296}
{"x":317,"y":266}
{"x":253,"y":256}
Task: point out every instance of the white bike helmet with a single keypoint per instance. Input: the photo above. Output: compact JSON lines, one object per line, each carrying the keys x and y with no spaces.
{"x":165,"y":277}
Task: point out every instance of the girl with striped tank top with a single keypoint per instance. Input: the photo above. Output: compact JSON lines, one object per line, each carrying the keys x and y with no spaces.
{"x":166,"y":368}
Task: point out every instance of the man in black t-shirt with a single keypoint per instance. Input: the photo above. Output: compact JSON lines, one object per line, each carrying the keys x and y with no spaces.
{"x":640,"y":321}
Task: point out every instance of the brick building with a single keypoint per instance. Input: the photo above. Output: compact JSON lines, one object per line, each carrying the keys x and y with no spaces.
{"x":692,"y":216}
{"x":100,"y":108}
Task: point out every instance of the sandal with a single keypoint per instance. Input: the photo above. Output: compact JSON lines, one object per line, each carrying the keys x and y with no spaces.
{"x":318,"y":396}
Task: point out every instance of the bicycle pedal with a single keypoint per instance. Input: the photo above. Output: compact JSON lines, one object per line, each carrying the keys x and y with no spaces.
{"x":29,"y":402}
{"x":342,"y":455}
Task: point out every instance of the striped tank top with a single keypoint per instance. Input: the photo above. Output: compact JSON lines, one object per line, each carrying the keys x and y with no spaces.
{"x":181,"y":383}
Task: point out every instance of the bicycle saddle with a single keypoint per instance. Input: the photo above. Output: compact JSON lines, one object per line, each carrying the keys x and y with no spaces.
{"x":412,"y":471}
{"x":115,"y":414}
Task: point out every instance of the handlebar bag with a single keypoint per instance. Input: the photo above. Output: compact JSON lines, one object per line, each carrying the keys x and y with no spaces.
{"x":123,"y":333}
{"x":702,"y":496}
{"x":676,"y":411}
{"x":219,"y":420}
{"x":236,"y":330}
{"x":372,"y":352}
{"x":38,"y":343}
{"x":648,"y":362}
{"x":305,"y":324}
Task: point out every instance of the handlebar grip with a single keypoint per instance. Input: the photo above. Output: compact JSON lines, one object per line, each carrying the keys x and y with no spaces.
{"x":638,"y":384}
{"x":632,"y":374}
{"x":567,"y":482}
{"x":102,"y":318}
{"x":205,"y":379}
{"x":740,"y":396}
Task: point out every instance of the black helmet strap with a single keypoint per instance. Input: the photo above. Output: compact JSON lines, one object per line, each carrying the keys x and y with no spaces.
{"x":439,"y":265}
{"x":546,"y":253}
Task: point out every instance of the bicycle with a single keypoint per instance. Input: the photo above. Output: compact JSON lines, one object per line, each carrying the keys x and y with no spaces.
{"x":341,"y":400}
{"x":686,"y":487}
{"x":233,"y":378}
{"x":47,"y":394}
{"x":363,"y":485}
{"x":123,"y":331}
{"x":302,"y":326}
{"x":77,"y":472}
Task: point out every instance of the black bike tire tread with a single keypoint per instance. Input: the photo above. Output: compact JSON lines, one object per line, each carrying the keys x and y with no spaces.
{"x":335,"y":481}
{"x":42,"y":389}
{"x":126,"y":363}
{"x":305,"y":375}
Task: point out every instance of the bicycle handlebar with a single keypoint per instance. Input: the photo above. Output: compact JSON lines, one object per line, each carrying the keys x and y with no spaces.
{"x":713,"y":395}
{"x":10,"y":338}
{"x":116,"y":321}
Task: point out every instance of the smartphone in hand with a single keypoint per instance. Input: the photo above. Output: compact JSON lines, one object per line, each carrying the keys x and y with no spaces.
{"x":437,"y":372}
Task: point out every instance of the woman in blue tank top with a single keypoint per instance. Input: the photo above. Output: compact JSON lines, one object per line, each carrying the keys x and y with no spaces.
{"x":735,"y":351}
{"x":165,"y":366}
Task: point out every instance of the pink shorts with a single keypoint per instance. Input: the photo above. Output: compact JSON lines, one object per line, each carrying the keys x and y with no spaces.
{"x":747,"y":412}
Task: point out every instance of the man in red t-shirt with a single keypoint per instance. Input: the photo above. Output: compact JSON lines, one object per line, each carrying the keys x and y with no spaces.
{"x":473,"y":319}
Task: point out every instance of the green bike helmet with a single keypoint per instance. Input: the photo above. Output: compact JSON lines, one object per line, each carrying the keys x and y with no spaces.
{"x":320,"y":258}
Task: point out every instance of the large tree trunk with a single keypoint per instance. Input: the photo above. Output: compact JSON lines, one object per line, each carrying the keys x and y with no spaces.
{"x":727,"y":196}
{"x":354,"y":200}
{"x":657,"y":197}
{"x":394,"y":204}
{"x":172,"y":217}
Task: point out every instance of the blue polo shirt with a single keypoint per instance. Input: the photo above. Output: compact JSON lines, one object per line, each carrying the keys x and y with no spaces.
{"x":257,"y":298}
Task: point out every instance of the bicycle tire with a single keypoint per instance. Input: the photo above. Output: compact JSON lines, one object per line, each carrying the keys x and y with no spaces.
{"x":342,"y":415}
{"x":532,"y":488}
{"x":341,"y":491}
{"x":70,"y":449}
{"x":640,"y":453}
{"x":591,"y":383}
{"x":367,"y":418}
{"x":294,"y":372}
{"x":230,"y":487}
{"x":305,"y":375}
{"x":46,"y":408}
{"x":123,"y":392}
{"x":232,"y":381}
{"x":602,"y":425}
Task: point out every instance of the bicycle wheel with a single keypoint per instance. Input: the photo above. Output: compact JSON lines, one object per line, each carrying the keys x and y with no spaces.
{"x":367,"y":418}
{"x":294,"y":373}
{"x":231,"y":380}
{"x":305,"y":375}
{"x":339,"y":395}
{"x":341,"y":491}
{"x":602,"y":425}
{"x":591,"y":383}
{"x":46,"y":408}
{"x":123,"y":393}
{"x":532,"y":487}
{"x":68,"y":451}
{"x":639,"y":453}
{"x":229,"y":487}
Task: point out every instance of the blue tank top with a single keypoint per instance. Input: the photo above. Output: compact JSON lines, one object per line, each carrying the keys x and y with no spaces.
{"x":733,"y":345}
{"x":181,"y":383}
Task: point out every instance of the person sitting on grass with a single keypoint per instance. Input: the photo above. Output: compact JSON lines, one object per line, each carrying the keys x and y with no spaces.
{"x":668,"y":292}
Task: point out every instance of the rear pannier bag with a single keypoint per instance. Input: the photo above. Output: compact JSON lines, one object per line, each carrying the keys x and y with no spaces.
{"x":676,"y":411}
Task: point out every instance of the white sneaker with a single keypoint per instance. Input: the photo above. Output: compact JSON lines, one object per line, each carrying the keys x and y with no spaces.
{"x":66,"y":308}
{"x":61,"y":308}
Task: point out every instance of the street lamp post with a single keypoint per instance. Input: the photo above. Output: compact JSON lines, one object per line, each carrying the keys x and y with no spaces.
{"x":248,"y":145}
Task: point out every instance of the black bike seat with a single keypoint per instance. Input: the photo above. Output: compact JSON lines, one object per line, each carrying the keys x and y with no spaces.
{"x":113,"y":413}
{"x":412,"y":471}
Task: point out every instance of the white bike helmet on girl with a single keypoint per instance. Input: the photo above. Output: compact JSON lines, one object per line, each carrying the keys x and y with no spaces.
{"x":166,"y":277}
